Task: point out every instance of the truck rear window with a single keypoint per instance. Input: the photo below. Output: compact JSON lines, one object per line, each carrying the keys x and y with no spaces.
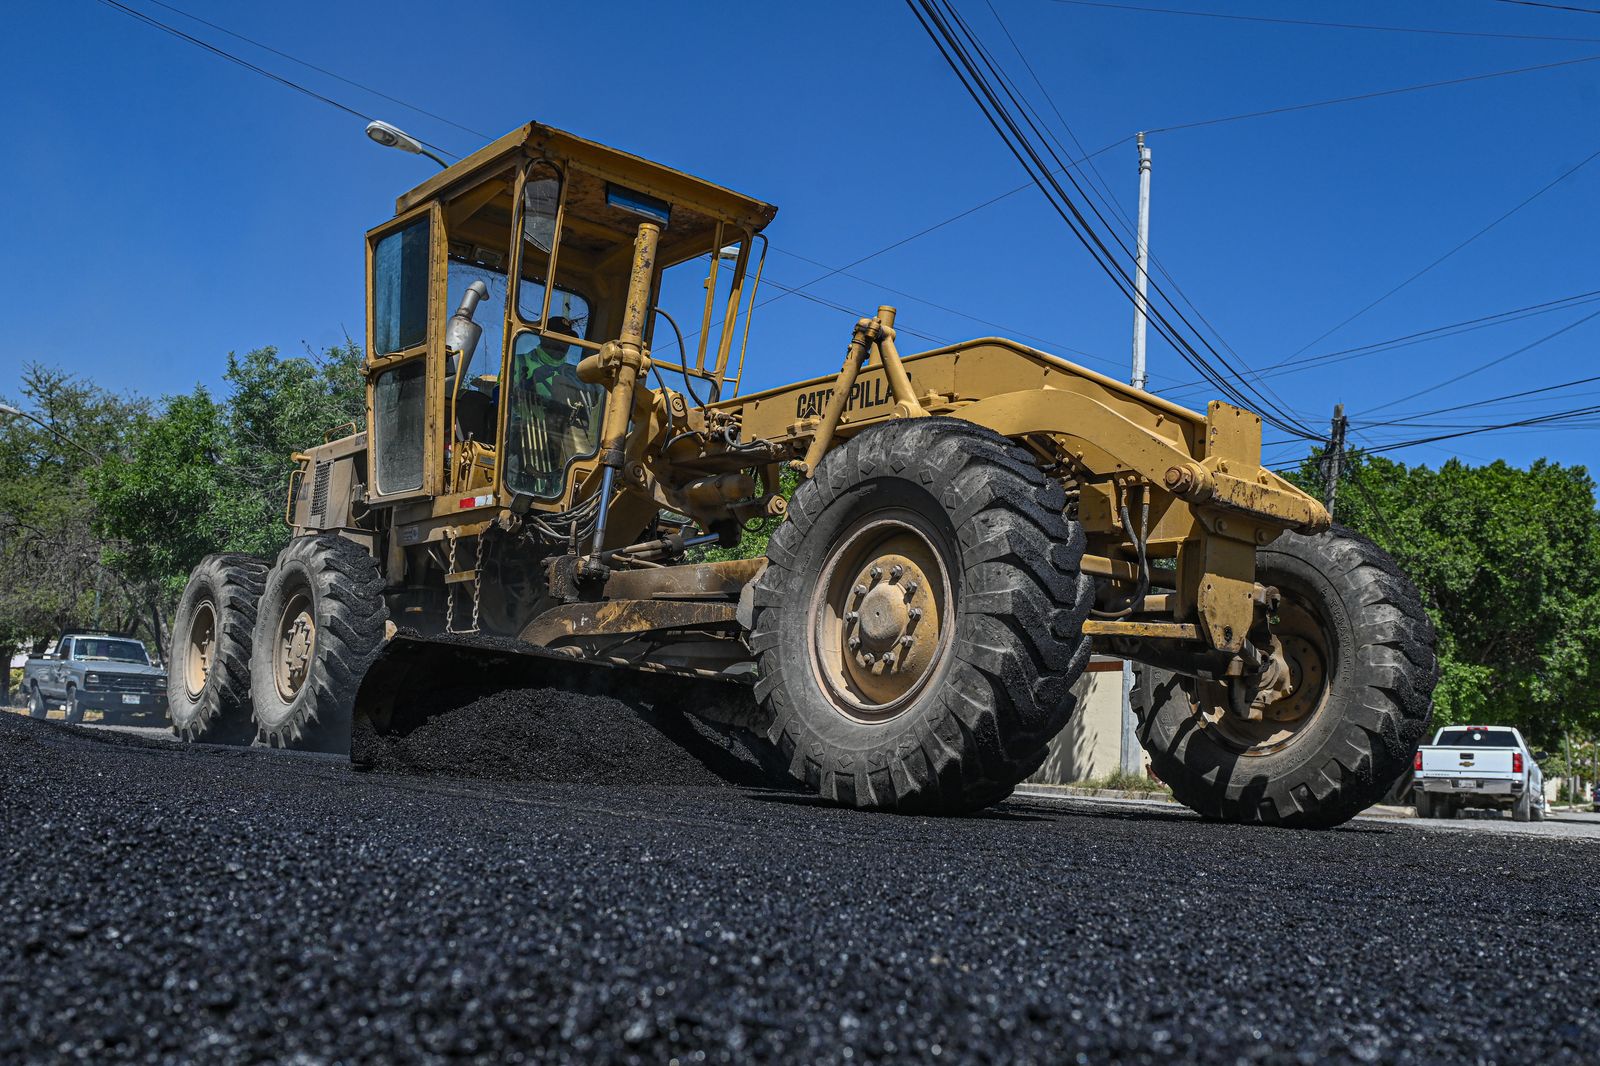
{"x":1477,"y":738}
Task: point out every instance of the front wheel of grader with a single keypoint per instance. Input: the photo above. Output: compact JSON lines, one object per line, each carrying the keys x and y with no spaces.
{"x":919,"y":625}
{"x":1356,"y":672}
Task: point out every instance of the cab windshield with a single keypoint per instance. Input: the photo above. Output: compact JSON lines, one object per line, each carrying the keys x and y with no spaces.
{"x":117,"y":651}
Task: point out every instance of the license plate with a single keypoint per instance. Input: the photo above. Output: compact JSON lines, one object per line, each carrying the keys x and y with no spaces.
{"x":1465,"y":784}
{"x":130,"y":699}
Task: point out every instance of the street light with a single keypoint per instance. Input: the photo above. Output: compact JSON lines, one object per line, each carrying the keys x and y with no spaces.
{"x":7,"y":409}
{"x":395,"y":137}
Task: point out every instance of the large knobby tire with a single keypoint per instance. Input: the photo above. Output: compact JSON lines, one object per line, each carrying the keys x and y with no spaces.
{"x":319,"y":627}
{"x":978,"y":603}
{"x":1366,"y":696}
{"x":208,"y":680}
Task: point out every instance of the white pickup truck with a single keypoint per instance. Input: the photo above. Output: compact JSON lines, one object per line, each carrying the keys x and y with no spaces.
{"x":1478,"y":766}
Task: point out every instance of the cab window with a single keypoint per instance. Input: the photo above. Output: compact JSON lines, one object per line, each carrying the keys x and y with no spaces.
{"x":552,"y":418}
{"x":398,"y":422}
{"x":400,"y":290}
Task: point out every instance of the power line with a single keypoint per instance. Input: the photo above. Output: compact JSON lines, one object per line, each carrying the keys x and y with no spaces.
{"x":322,"y":70}
{"x":1010,"y":330}
{"x":1497,"y":360}
{"x":1104,"y":192}
{"x":1433,"y":31}
{"x":1374,"y":94}
{"x":1088,"y":158}
{"x":1490,"y":401}
{"x":1538,"y":420}
{"x":1297,"y":365}
{"x":222,"y":53}
{"x":1546,"y":188}
{"x":1553,"y":7}
{"x":937,"y":21}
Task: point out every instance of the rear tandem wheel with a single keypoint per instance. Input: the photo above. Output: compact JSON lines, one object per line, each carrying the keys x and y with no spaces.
{"x":320,"y":625}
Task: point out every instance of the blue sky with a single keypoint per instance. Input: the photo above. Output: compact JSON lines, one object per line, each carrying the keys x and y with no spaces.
{"x":166,"y":207}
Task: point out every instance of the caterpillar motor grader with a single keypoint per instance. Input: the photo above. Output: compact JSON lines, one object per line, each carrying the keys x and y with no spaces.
{"x":969,"y":523}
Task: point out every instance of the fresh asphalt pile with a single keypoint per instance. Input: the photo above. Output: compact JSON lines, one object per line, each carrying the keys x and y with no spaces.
{"x":553,"y":734}
{"x":230,"y":905}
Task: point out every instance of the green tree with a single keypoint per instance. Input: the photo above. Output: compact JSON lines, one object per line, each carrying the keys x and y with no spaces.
{"x":1508,"y":564}
{"x":209,"y":475}
{"x":54,"y":572}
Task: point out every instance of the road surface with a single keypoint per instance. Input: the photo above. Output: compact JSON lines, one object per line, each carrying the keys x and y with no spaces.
{"x":168,"y":903}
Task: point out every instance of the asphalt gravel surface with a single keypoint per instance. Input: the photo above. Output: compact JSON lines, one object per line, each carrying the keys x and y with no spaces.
{"x":166,"y":903}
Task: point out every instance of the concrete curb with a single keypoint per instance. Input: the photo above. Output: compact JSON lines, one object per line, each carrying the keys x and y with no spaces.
{"x":1165,"y":799}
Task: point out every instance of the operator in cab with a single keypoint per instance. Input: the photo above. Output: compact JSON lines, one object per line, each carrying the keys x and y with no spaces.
{"x":553,"y":415}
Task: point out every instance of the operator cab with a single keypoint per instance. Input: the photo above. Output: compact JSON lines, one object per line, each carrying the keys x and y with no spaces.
{"x":499,"y":276}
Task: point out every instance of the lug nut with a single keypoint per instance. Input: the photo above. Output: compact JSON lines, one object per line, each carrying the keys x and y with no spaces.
{"x":911,"y":587}
{"x":875,"y":573}
{"x":869,"y":658}
{"x":855,"y":642}
{"x":895,"y":571}
{"x":861,"y":590}
{"x":916,"y":613}
{"x":906,"y":640}
{"x":850,"y":616}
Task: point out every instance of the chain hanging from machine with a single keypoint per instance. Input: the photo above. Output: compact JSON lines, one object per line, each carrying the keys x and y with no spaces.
{"x":451,"y":537}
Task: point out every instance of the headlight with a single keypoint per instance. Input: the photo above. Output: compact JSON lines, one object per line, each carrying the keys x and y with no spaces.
{"x":90,"y":680}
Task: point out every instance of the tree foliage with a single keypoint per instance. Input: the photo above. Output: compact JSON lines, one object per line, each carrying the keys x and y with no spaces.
{"x":53,"y":570}
{"x":1508,"y":564}
{"x":210,"y":475}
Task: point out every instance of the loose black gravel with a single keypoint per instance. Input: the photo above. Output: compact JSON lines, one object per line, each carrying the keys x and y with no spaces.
{"x":188,"y":905}
{"x":552,"y":734}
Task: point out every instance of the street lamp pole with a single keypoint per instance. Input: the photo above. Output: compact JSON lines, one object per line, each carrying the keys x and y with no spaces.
{"x":7,"y":409}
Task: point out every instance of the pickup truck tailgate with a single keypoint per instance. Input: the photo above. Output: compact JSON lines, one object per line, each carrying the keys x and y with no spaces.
{"x":1485,"y":763}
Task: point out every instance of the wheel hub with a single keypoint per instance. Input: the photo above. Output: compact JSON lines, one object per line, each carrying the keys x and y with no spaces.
{"x":881,"y":625}
{"x":201,"y":650}
{"x":1262,"y":713}
{"x":297,"y":638}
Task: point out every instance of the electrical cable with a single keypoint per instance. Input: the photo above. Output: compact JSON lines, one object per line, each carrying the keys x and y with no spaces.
{"x":1107,"y":197}
{"x":1428,"y":30}
{"x":1294,"y":366}
{"x":322,"y":70}
{"x":936,"y":20}
{"x":1546,"y":188}
{"x":1485,"y":366}
{"x":222,"y":53}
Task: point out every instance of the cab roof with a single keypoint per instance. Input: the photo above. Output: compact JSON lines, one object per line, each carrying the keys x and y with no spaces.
{"x":535,"y":139}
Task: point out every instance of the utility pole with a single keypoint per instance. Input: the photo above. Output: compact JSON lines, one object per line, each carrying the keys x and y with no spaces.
{"x":1132,"y":756}
{"x":1141,"y":274}
{"x":1335,"y":457}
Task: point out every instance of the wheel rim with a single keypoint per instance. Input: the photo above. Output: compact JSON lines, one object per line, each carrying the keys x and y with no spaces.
{"x":883,"y":616}
{"x":201,"y":649}
{"x":1301,"y":632}
{"x":297,"y":643}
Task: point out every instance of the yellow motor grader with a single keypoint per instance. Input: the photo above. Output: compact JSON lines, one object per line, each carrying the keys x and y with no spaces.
{"x":969,"y":523}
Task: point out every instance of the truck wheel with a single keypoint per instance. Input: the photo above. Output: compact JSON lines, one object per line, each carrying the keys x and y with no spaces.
{"x":74,"y":706}
{"x":1424,"y":805}
{"x":1360,"y":650}
{"x":37,"y":707}
{"x":1522,"y":808}
{"x":208,"y":685}
{"x":919,"y":625}
{"x":319,"y":627}
{"x":1537,"y":812}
